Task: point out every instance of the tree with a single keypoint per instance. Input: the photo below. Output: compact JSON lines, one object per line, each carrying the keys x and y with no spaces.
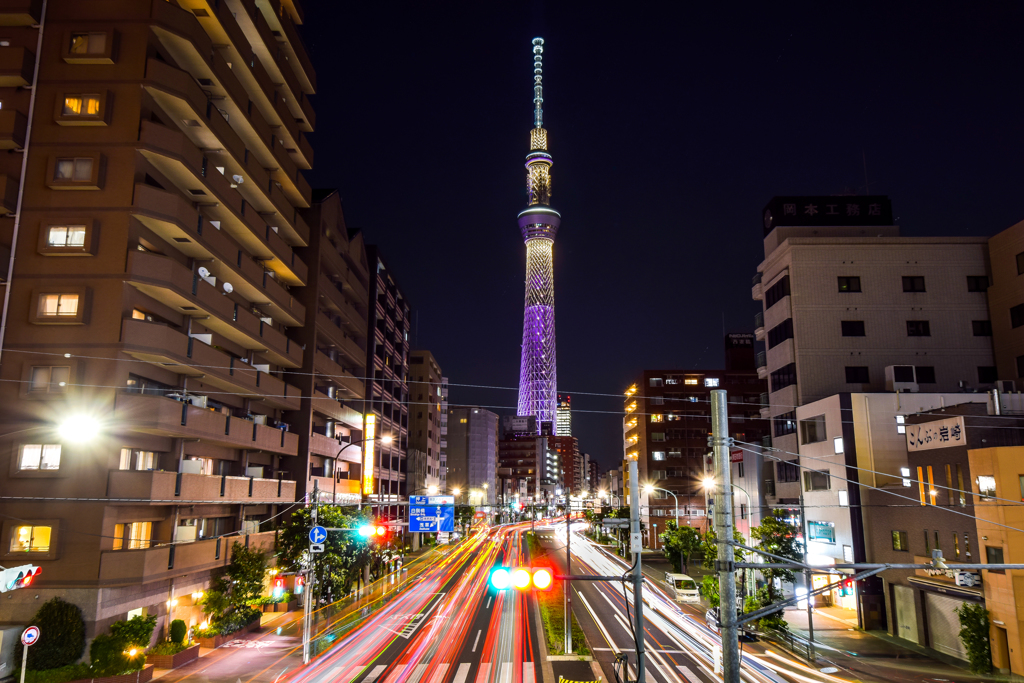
{"x":464,"y":515}
{"x":240,"y":584}
{"x":679,"y":544}
{"x":709,"y":547}
{"x":709,"y":589}
{"x":345,"y":552}
{"x":61,"y":636}
{"x":974,"y":634}
{"x":775,"y":536}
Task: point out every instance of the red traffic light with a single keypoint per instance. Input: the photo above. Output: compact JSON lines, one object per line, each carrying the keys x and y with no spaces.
{"x":381,"y":530}
{"x":299,"y":581}
{"x":279,"y":583}
{"x":521,"y":578}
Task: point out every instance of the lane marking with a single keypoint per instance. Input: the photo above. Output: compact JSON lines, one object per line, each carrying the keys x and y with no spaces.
{"x":438,"y":675}
{"x":597,"y":621}
{"x":329,"y":676}
{"x":483,"y":673}
{"x":529,"y":673}
{"x":506,"y":673}
{"x":476,"y":641}
{"x":462,"y":673}
{"x":624,"y":625}
{"x":377,"y":671}
{"x":688,"y":673}
{"x":489,"y":598}
{"x":417,"y":673}
{"x":397,"y":673}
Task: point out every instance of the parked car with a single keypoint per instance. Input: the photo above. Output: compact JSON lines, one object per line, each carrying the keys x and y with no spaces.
{"x":682,"y":587}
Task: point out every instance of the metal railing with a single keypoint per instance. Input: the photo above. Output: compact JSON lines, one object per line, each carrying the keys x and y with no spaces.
{"x":759,"y":319}
{"x":762,"y":360}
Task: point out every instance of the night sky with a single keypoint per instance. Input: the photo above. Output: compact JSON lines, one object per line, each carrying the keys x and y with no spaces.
{"x":671,"y":126}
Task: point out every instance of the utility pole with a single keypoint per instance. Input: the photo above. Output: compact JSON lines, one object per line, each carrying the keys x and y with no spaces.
{"x":636,"y":547}
{"x":807,"y":580}
{"x":568,"y":570}
{"x":307,"y":604}
{"x":726,"y":564}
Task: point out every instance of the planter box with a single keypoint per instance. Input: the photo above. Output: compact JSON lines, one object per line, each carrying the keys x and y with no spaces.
{"x":284,"y":606}
{"x":145,"y":675}
{"x":187,"y":655}
{"x":217,"y":641}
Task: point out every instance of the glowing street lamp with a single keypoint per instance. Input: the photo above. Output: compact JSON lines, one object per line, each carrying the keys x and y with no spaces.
{"x":79,"y":428}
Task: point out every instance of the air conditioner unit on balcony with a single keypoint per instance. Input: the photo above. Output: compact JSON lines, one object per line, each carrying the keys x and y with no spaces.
{"x":198,"y":401}
{"x":191,"y":467}
{"x":901,"y":378}
{"x":255,"y":472}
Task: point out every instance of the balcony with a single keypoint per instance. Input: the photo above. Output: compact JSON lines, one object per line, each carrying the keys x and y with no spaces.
{"x":168,"y":417}
{"x":173,"y":218}
{"x":762,"y":364}
{"x":352,"y":388}
{"x":163,"y":488}
{"x":20,"y":12}
{"x":8,"y":195}
{"x":350,"y":347}
{"x":764,"y":405}
{"x":759,"y":326}
{"x":332,"y":408}
{"x":756,"y":292}
{"x":16,"y":64}
{"x":332,"y":291}
{"x":12,"y":129}
{"x":134,"y":567}
{"x":346,"y":490}
{"x":174,"y":285}
{"x":163,"y":346}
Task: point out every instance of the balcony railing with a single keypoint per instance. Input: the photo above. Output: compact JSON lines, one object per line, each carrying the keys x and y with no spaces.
{"x":762,"y":360}
{"x":756,"y":280}
{"x":758,"y":320}
{"x":162,"y":488}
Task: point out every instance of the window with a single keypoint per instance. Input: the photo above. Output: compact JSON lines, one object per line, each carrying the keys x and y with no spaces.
{"x":900,"y":541}
{"x":817,"y":480}
{"x":64,"y":236}
{"x":784,"y":424}
{"x":1017,"y":316}
{"x":787,"y":472}
{"x":739,"y":470}
{"x":780,"y":333}
{"x":691,"y":380}
{"x":710,"y":381}
{"x":133,"y":536}
{"x":678,"y":453}
{"x":58,"y":305}
{"x":979,"y":283}
{"x":844,"y":498}
{"x":1020,"y":366}
{"x":657,"y":400}
{"x":925,"y":374}
{"x":856,"y":374}
{"x":913,"y":283}
{"x":657,"y":436}
{"x":81,"y":105}
{"x":35,"y":456}
{"x":783,"y":377}
{"x":982,"y":328}
{"x":927,"y":543}
{"x":853,"y":328}
{"x":837,"y":445}
{"x":656,"y":381}
{"x":657,"y":417}
{"x":956,"y":546}
{"x":812,"y":430}
{"x":823,"y":532}
{"x":88,"y":43}
{"x":994,"y":555}
{"x":1020,"y":263}
{"x":905,"y":473}
{"x":987,"y":486}
{"x":133,"y":458}
{"x":48,"y":379}
{"x":659,"y":474}
{"x":918,"y":328}
{"x":657,"y":455}
{"x":30,"y":539}
{"x":776,"y":292}
{"x":987,"y":374}
{"x":743,"y":510}
{"x":849,"y":284}
{"x":77,"y":169}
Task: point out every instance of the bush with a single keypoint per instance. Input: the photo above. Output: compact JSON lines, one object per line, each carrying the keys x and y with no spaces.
{"x":167,"y":647}
{"x":107,"y":655}
{"x":137,"y":632}
{"x":178,"y":631}
{"x":71,"y":672}
{"x":974,"y":633}
{"x":61,"y":639}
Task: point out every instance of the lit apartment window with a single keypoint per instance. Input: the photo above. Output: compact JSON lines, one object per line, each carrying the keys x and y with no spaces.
{"x":691,"y":380}
{"x":88,"y":44}
{"x":81,"y":105}
{"x":132,"y":458}
{"x":30,"y":539}
{"x":73,"y":169}
{"x":656,"y":381}
{"x":900,"y":541}
{"x":133,"y":536}
{"x":36,"y":456}
{"x":987,"y":486}
{"x":48,"y":379}
{"x":657,"y":455}
{"x":58,"y":305}
{"x":657,"y":417}
{"x":63,"y":236}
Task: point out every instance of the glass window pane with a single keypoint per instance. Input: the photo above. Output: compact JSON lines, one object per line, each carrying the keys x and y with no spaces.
{"x":65,"y":169}
{"x":48,"y":304}
{"x":40,"y":379}
{"x":79,"y":43}
{"x":119,"y":529}
{"x":97,"y":43}
{"x":51,"y":457}
{"x":41,"y":539}
{"x":72,"y":105}
{"x":92,"y":105}
{"x":59,"y":376}
{"x":76,"y":236}
{"x":83,"y":169}
{"x":30,"y":454}
{"x":58,"y":237}
{"x":67,"y":304}
{"x":126,"y":459}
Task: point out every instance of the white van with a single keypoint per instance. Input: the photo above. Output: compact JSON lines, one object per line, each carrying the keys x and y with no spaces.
{"x":682,"y":587}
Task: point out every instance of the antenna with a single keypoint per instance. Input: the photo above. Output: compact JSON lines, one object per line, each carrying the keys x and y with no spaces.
{"x":538,"y":88}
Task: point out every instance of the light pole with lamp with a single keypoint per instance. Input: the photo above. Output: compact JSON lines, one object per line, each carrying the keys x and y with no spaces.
{"x":362,"y":475}
{"x":648,"y":489}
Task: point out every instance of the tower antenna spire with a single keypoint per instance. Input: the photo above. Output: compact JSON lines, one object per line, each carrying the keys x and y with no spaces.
{"x":538,"y":86}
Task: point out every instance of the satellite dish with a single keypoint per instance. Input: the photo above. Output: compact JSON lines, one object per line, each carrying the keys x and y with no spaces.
{"x":228,"y":288}
{"x":203,"y":272}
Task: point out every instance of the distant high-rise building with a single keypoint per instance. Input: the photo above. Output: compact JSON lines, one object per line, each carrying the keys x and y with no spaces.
{"x":425,"y":416}
{"x":444,"y":434}
{"x":473,"y":454}
{"x":570,"y":462}
{"x":564,"y":424}
{"x":533,"y":464}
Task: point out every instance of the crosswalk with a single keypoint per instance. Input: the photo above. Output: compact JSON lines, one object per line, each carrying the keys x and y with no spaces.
{"x":415,"y":673}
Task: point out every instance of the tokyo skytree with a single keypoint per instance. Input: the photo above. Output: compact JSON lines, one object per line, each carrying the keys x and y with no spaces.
{"x":539,"y":224}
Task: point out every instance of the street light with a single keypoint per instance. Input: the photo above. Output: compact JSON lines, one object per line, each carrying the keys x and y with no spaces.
{"x":386,"y":440}
{"x":79,"y":428}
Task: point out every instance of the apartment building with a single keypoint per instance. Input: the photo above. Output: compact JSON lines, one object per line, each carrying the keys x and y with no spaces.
{"x":1006,"y":305}
{"x":563,"y":415}
{"x":473,"y":454}
{"x":387,"y":388}
{"x":426,"y":427}
{"x":851,"y":306}
{"x":667,"y":421}
{"x":570,"y":463}
{"x":530,"y":463}
{"x":154,"y":261}
{"x":443,"y":444}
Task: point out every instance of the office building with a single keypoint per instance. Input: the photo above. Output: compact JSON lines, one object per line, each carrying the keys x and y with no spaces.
{"x":667,"y":422}
{"x":570,"y":462}
{"x":425,"y":421}
{"x":473,"y":454}
{"x":851,"y":306}
{"x":531,"y":466}
{"x":152,"y":291}
{"x":563,"y":424}
{"x":329,"y":423}
{"x":443,"y":444}
{"x":387,"y":389}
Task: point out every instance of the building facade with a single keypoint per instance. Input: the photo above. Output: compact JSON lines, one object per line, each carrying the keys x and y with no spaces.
{"x":851,"y":306}
{"x":387,"y":388}
{"x":563,"y":426}
{"x":329,"y":423}
{"x":427,"y":422}
{"x":155,"y":254}
{"x":570,"y":463}
{"x":472,"y":454}
{"x":1006,"y":305}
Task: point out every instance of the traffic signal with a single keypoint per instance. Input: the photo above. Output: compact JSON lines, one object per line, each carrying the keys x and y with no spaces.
{"x":847,"y":588}
{"x":375,"y":531}
{"x":19,"y":577}
{"x":300,"y":583}
{"x":521,"y":578}
{"x":278,"y":587}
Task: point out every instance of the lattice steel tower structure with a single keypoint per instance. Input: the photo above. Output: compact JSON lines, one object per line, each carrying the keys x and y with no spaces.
{"x":539,"y":224}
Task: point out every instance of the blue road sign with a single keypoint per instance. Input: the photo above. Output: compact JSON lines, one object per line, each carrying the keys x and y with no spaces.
{"x":317,"y":534}
{"x":431,"y":518}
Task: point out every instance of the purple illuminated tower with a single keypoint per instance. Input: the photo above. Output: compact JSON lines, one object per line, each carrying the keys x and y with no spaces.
{"x":539,"y":224}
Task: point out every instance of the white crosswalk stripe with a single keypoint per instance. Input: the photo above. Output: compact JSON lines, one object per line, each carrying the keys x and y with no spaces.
{"x":463,"y":673}
{"x":377,"y":671}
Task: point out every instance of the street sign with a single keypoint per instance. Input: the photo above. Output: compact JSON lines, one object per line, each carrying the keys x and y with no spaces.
{"x":30,"y":635}
{"x":316,"y":547}
{"x":431,"y":518}
{"x":431,"y":500}
{"x":317,"y":534}
{"x":636,"y":544}
{"x":615,"y":522}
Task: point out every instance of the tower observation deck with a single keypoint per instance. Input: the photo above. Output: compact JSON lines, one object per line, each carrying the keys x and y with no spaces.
{"x":539,"y":225}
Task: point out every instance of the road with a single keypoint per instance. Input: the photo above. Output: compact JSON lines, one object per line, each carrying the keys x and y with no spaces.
{"x":446,"y":626}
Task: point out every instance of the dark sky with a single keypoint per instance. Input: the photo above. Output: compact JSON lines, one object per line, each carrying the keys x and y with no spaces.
{"x":671,"y":126}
